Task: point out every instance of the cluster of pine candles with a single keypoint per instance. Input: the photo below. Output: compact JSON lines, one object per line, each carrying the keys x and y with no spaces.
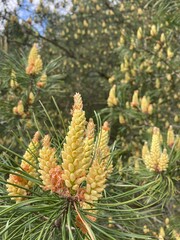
{"x":34,"y":69}
{"x":85,"y":164}
{"x":80,"y":171}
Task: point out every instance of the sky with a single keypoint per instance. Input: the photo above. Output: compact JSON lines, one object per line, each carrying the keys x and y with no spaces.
{"x":6,"y":6}
{"x":27,"y":10}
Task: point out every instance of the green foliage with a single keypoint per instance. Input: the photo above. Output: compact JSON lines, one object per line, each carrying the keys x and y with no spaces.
{"x":20,"y":89}
{"x":148,"y":60}
{"x":134,"y":45}
{"x":47,"y":215}
{"x":168,"y":10}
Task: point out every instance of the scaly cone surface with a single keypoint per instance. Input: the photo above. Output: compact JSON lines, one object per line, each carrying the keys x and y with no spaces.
{"x":18,"y":186}
{"x":73,"y":153}
{"x":155,"y":159}
{"x":47,"y":162}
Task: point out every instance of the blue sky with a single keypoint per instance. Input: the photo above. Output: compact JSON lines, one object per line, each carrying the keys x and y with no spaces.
{"x":28,"y":10}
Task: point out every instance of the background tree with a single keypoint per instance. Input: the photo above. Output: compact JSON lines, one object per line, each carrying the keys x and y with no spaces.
{"x":146,"y":85}
{"x":83,"y":37}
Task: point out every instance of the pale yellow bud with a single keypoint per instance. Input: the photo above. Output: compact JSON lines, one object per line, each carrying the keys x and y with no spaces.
{"x":127,"y":77}
{"x":111,"y":79}
{"x":43,"y":80}
{"x":162,"y":38}
{"x":135,"y":100}
{"x":176,"y":234}
{"x":155,"y":145}
{"x":103,"y":150}
{"x":121,"y":41}
{"x":122,"y":8}
{"x":13,"y":81}
{"x":160,"y":54}
{"x":144,"y":104}
{"x":14,"y":191}
{"x":150,"y":109}
{"x":168,"y":76}
{"x":161,"y":232}
{"x":122,"y":67}
{"x":121,"y":119}
{"x":160,"y":237}
{"x":33,"y":54}
{"x":153,"y":31}
{"x":145,"y":150}
{"x":31,"y":98}
{"x":170,"y":54}
{"x":38,"y":65}
{"x":155,"y":234}
{"x":127,"y":105}
{"x":134,"y":55}
{"x":145,"y":229}
{"x":167,"y":124}
{"x":157,"y":47}
{"x":98,"y":8}
{"x":136,"y":165}
{"x":47,"y":161}
{"x":176,"y":118}
{"x":139,"y":33}
{"x":139,"y":11}
{"x":160,"y":100}
{"x":155,"y":160}
{"x":15,"y":111}
{"x":89,"y":144}
{"x":163,"y":161}
{"x":170,"y":137}
{"x":112,"y":99}
{"x":110,"y":222}
{"x":120,"y":167}
{"x":85,"y":23}
{"x":20,"y":108}
{"x":34,"y":61}
{"x":132,"y":46}
{"x":133,"y":72}
{"x":28,"y":165}
{"x":159,"y":64}
{"x":29,"y":123}
{"x":78,"y":104}
{"x":157,"y":83}
{"x":166,"y":221}
{"x":132,"y":7}
{"x":96,"y":179}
